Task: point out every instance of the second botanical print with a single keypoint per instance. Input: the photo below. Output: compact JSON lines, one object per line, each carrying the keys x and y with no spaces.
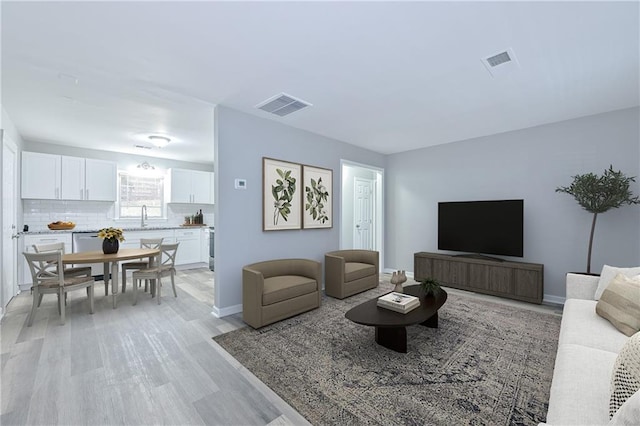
{"x":318,"y":193}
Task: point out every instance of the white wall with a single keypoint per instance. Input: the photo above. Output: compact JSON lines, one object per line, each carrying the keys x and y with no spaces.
{"x":528,"y":164}
{"x":241,"y":142}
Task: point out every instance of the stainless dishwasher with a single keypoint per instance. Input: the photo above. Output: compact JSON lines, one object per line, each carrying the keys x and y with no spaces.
{"x":89,"y":241}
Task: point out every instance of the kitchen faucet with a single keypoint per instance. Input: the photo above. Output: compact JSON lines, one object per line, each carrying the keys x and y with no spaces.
{"x":143,"y":215}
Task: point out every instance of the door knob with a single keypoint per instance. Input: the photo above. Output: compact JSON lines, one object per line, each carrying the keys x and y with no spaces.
{"x":15,"y":236}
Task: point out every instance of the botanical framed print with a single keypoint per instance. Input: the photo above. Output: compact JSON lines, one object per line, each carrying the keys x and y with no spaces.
{"x":317,"y":211}
{"x":281,"y":195}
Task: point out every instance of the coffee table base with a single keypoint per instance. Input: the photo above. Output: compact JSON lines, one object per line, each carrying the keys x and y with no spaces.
{"x":395,"y":338}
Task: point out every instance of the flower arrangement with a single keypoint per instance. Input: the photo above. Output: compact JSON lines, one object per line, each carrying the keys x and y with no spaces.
{"x":111,"y":234}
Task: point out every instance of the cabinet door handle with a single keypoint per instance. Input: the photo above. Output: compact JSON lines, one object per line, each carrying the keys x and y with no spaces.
{"x":47,"y":239}
{"x":87,"y":191}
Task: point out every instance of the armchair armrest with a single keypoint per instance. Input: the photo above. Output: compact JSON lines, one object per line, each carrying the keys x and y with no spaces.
{"x":252,"y":289}
{"x":579,"y":286}
{"x":334,"y":272}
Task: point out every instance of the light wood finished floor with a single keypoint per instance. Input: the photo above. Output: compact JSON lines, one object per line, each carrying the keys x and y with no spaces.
{"x":135,"y":365}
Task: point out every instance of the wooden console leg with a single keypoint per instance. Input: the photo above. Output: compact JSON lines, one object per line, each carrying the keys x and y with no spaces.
{"x":394,"y":338}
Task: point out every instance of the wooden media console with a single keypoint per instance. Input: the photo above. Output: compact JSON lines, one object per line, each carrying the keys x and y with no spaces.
{"x":513,"y":280}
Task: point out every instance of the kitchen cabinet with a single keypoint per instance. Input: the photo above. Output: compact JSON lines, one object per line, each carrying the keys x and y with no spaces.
{"x":41,"y":175}
{"x":190,"y":246}
{"x":29,"y":241}
{"x":61,"y":177}
{"x":101,"y":180}
{"x":190,"y":186}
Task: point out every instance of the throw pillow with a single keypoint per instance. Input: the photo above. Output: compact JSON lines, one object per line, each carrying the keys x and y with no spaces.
{"x":629,"y":413}
{"x":620,"y":304}
{"x":625,"y":380}
{"x":608,"y":273}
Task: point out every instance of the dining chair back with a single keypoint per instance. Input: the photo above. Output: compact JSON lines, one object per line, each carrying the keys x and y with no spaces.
{"x":69,"y":271}
{"x":165,"y":266}
{"x":145,"y":243}
{"x":48,"y":275}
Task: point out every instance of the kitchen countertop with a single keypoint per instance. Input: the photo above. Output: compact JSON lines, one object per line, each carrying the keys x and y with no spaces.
{"x":125,"y":229}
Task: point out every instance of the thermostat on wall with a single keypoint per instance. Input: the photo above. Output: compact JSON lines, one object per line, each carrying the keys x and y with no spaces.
{"x":241,"y":184}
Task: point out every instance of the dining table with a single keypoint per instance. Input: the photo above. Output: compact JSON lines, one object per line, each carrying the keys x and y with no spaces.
{"x":112,"y":259}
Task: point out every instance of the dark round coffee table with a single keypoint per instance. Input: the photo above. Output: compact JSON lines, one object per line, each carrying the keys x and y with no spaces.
{"x":391,"y":326}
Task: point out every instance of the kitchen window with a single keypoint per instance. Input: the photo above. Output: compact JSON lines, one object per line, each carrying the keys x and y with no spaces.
{"x":136,"y":190}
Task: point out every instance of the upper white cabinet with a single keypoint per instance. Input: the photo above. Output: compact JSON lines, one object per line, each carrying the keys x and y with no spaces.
{"x":41,"y":176}
{"x":190,"y":186}
{"x":101,"y":180}
{"x":60,"y":177}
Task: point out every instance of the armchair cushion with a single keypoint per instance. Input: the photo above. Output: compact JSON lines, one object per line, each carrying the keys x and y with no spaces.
{"x":356,"y":270}
{"x":284,"y":287}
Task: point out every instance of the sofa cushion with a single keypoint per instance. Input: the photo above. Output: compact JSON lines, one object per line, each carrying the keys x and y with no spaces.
{"x":580,"y":387}
{"x":581,"y":326}
{"x":620,"y":304}
{"x":609,"y":272}
{"x":355,"y":270}
{"x":625,"y":380}
{"x":277,"y":289}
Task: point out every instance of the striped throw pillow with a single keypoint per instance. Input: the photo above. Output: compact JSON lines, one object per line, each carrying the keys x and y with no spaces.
{"x":620,"y":304}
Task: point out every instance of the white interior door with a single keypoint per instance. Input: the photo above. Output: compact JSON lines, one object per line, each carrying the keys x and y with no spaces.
{"x":9,"y":221}
{"x":363,"y":214}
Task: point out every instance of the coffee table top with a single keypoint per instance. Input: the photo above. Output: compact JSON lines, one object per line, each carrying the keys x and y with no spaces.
{"x":369,"y":313}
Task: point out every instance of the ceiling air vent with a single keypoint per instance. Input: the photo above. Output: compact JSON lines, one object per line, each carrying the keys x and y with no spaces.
{"x":501,"y":63}
{"x":498,"y":59}
{"x":282,"y":104}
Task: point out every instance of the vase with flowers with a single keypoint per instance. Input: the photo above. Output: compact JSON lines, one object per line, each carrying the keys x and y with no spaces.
{"x":111,"y":239}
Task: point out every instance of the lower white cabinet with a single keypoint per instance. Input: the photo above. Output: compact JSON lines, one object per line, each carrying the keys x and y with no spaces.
{"x":190,"y":245}
{"x":29,"y":241}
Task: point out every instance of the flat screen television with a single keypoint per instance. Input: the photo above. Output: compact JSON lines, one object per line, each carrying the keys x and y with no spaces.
{"x":487,"y":227}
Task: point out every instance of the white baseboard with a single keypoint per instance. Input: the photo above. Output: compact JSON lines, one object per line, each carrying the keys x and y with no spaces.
{"x":223,"y":312}
{"x":553,"y":300}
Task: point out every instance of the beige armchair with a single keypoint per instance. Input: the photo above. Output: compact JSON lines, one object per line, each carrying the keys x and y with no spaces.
{"x":347,"y":272}
{"x":279,"y":289}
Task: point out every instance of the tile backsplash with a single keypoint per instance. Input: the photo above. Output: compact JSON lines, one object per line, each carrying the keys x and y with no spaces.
{"x":100,"y":214}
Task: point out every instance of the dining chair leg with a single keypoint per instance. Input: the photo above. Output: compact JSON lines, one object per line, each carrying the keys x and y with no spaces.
{"x":124,"y":278}
{"x":173,"y":284}
{"x":158,"y":289}
{"x":90,"y":288}
{"x":37,"y":298}
{"x":62,"y":297}
{"x":135,"y":291}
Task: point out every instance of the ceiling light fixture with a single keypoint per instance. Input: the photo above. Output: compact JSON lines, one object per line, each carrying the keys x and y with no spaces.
{"x":159,"y":141}
{"x":146,"y":166}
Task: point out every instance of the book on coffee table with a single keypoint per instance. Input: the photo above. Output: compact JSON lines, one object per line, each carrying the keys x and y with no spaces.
{"x":398,"y":302}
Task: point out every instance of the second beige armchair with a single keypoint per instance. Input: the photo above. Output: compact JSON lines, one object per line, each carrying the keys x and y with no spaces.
{"x":347,"y":272}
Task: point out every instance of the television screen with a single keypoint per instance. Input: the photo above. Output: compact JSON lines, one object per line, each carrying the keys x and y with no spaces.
{"x":489,"y":227}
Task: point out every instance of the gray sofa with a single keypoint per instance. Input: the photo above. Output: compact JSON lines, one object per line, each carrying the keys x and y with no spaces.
{"x":277,"y":289}
{"x":347,"y":272}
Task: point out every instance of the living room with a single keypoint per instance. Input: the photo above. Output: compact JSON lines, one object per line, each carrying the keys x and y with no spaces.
{"x":527,"y":157}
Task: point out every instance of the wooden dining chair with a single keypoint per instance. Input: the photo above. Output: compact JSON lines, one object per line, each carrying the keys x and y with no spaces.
{"x":166,"y":266}
{"x":69,"y":271}
{"x":47,"y":272}
{"x":145,"y":243}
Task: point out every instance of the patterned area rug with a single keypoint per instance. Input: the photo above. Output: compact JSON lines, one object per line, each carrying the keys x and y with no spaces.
{"x":486,"y":364}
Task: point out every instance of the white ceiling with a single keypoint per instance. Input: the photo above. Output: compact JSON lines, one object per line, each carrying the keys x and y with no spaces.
{"x":388,"y":76}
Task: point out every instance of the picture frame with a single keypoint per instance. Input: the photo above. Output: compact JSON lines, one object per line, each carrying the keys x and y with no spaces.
{"x":281,"y":195}
{"x":317,"y":193}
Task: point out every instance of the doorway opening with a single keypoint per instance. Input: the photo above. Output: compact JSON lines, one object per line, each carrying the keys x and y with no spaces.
{"x":362,"y":213}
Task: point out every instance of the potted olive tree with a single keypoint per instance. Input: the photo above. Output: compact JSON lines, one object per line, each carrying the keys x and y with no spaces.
{"x":598,"y":194}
